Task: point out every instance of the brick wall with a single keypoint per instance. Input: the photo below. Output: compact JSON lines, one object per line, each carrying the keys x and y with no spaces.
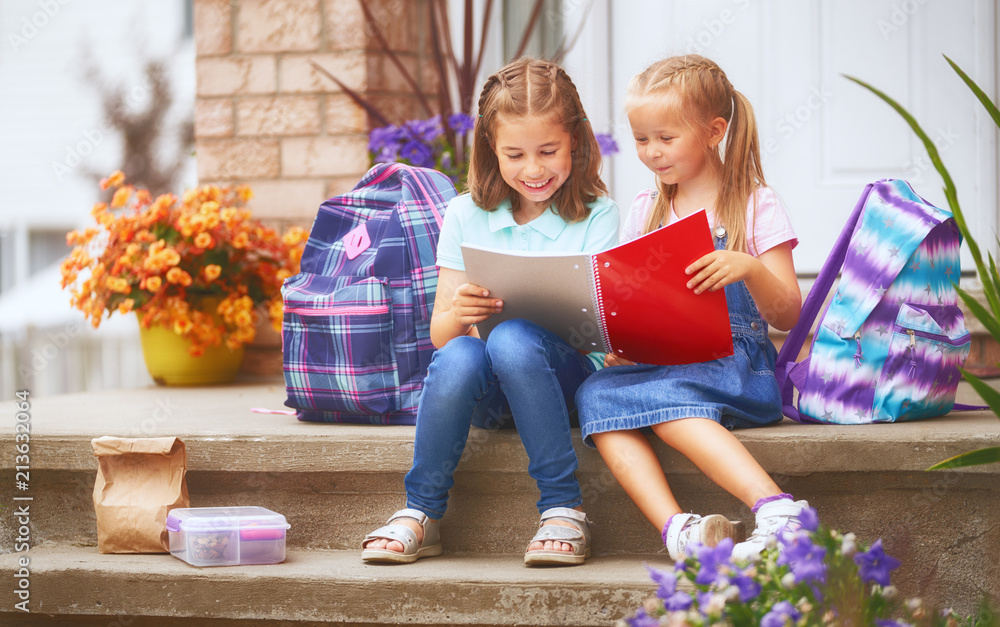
{"x":266,"y":118}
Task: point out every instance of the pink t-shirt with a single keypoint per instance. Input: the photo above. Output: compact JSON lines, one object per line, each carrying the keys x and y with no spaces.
{"x":766,"y":228}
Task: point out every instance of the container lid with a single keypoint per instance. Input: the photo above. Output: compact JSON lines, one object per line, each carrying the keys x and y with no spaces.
{"x":223,"y":519}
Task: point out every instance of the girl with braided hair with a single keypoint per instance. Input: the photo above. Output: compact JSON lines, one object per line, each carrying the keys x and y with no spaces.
{"x":699,"y":137}
{"x":534,"y":184}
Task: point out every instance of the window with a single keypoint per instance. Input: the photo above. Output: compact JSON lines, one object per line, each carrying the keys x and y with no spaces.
{"x":548,"y":32}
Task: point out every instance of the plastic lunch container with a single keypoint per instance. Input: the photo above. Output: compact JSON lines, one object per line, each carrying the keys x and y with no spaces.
{"x":226,"y":536}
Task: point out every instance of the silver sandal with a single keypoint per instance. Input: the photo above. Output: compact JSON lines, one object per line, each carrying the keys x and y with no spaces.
{"x":577,"y":536}
{"x":412,"y":549}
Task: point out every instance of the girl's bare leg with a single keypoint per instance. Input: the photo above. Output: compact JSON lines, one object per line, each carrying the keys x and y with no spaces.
{"x":720,"y":455}
{"x":634,"y":464}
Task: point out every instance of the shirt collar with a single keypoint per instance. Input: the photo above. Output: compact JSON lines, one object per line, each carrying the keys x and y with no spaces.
{"x":548,"y":224}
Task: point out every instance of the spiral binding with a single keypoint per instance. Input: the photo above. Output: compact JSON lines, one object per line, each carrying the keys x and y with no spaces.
{"x":598,"y":298}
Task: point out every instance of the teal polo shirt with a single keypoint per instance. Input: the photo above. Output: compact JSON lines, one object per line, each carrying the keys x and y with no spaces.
{"x":464,"y":222}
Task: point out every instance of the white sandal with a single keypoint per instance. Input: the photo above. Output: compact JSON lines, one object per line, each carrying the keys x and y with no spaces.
{"x":578,"y":536}
{"x":412,"y":549}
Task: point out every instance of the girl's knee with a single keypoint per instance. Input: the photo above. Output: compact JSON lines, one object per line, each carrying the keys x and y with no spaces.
{"x":464,"y":353}
{"x":509,"y":341}
{"x":459,"y":364}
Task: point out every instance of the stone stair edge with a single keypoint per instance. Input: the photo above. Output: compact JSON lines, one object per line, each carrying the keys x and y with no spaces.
{"x":463,"y":589}
{"x":237,"y":440}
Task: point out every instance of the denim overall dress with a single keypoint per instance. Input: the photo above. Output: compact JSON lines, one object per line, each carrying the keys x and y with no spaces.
{"x":738,"y":391}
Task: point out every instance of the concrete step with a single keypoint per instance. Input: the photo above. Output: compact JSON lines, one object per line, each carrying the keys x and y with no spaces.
{"x":77,"y":584}
{"x":335,"y":483}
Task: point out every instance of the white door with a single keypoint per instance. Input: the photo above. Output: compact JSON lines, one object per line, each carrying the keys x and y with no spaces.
{"x":823,"y":137}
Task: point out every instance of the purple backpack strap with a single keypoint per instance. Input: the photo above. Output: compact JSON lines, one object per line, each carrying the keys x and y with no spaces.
{"x":810,"y":309}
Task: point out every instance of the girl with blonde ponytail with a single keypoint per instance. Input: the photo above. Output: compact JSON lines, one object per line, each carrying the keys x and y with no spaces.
{"x":698,"y":135}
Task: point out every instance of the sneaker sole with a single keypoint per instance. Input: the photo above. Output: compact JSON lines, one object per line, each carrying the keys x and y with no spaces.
{"x":716,"y":527}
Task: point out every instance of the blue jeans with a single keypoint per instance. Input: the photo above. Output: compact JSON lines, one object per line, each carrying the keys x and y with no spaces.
{"x":520,"y":367}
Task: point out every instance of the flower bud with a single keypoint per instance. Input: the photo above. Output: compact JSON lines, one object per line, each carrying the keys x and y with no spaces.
{"x":849,"y":545}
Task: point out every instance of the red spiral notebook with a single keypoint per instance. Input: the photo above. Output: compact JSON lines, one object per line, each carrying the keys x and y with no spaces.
{"x":631,"y":300}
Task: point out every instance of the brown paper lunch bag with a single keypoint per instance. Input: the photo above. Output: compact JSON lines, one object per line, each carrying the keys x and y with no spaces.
{"x":139,"y":480}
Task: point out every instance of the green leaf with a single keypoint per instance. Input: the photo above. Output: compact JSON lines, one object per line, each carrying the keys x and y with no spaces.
{"x":987,"y":393}
{"x":994,"y":282}
{"x":972,"y":458}
{"x":991,"y":107}
{"x":989,"y":320}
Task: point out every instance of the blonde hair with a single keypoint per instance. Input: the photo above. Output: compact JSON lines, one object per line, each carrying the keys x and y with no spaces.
{"x":699,"y":91}
{"x":529,"y":87}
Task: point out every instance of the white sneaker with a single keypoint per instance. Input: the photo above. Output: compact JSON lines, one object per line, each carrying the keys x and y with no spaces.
{"x":771,"y":519}
{"x":685,"y":529}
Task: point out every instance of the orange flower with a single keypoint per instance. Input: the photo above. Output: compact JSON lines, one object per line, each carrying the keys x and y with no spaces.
{"x":117,"y":284}
{"x":294,"y":236}
{"x":179,"y":277}
{"x":121,"y":197}
{"x":170,"y":256}
{"x":203,"y":240}
{"x":212,"y":272}
{"x":115,"y":179}
{"x":152,"y":250}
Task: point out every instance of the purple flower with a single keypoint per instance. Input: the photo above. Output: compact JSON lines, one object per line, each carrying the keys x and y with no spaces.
{"x":417,"y":153}
{"x":875,"y":565}
{"x":384,"y":137}
{"x":461,"y":123}
{"x":707,"y":602}
{"x":809,"y":519}
{"x":805,"y":559}
{"x":884,"y":622}
{"x":678,"y":601}
{"x":425,"y":130}
{"x":387,"y":154}
{"x":780,"y":614}
{"x":713,"y":560}
{"x":747,"y":585}
{"x":607,"y":144}
{"x":666,"y":579}
{"x":642,"y":619}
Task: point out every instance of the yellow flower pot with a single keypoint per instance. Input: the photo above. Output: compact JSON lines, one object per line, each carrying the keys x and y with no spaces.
{"x":170,"y":363}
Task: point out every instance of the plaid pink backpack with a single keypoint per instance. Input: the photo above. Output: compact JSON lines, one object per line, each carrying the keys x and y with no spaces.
{"x":356,"y":334}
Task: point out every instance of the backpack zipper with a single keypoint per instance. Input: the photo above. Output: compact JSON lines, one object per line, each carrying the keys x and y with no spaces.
{"x":928,"y":336}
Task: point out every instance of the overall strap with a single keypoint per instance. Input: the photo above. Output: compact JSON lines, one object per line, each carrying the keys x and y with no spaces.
{"x":810,"y":308}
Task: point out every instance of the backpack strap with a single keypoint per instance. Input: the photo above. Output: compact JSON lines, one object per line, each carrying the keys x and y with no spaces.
{"x":810,"y":309}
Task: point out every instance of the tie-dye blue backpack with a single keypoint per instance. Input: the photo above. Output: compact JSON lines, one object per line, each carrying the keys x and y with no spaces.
{"x":891,"y":341}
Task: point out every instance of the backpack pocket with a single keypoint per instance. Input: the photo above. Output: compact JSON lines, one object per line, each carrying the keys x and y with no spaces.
{"x":337,"y":344}
{"x":919,"y":380}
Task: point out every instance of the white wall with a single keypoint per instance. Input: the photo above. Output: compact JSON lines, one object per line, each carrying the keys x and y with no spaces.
{"x":52,"y":129}
{"x":50,"y":120}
